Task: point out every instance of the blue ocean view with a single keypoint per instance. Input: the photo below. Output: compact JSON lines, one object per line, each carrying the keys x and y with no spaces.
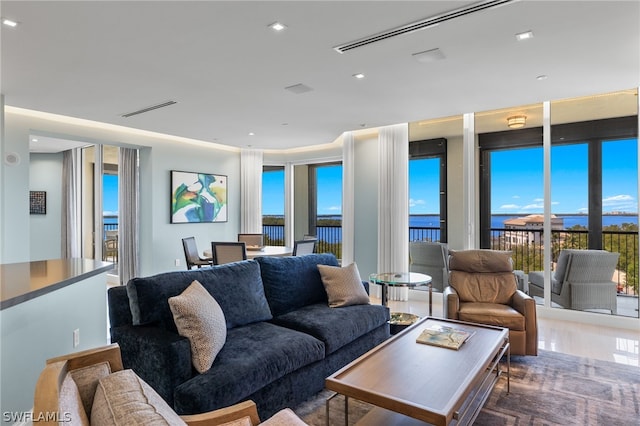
{"x":433,"y":221}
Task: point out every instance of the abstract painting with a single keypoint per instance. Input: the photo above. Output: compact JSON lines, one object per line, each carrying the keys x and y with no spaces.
{"x":198,"y":197}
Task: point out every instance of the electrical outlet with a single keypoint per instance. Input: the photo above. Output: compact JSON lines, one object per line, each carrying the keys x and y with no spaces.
{"x":177,"y":262}
{"x":76,"y":337}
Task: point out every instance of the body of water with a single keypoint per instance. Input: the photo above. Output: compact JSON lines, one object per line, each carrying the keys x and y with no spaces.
{"x":433,"y":221}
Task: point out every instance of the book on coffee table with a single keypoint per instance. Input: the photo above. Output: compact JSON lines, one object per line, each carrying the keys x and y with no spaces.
{"x":443,"y":336}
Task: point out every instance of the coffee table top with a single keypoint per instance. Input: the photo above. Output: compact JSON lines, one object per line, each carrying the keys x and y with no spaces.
{"x":400,"y":279}
{"x":425,"y":382}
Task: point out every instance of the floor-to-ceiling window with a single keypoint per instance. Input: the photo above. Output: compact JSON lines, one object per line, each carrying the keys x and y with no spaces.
{"x":273,"y":191}
{"x":428,"y":190}
{"x":593,"y":189}
{"x":325,"y":207}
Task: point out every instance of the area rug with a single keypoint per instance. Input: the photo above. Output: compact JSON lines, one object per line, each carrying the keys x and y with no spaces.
{"x":550,"y":389}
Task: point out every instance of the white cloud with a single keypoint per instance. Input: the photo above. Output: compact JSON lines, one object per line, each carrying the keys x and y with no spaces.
{"x":334,"y":208}
{"x":516,"y":196}
{"x":414,"y":203}
{"x":617,"y":199}
{"x":533,"y":206}
{"x":509,"y":207}
{"x":538,"y":200}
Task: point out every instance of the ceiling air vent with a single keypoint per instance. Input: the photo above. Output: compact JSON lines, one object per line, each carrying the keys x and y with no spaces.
{"x":150,"y":108}
{"x":422,"y":24}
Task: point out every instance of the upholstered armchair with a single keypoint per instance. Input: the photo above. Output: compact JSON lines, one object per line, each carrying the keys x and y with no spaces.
{"x":582,"y":280}
{"x":430,"y":258}
{"x":92,"y":387}
{"x":483,"y":289}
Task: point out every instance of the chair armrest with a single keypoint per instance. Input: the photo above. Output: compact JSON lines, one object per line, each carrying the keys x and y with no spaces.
{"x":110,"y":354}
{"x":450,"y":303}
{"x":526,"y":305}
{"x":523,"y":303}
{"x":160,"y":357}
{"x":225,"y":415}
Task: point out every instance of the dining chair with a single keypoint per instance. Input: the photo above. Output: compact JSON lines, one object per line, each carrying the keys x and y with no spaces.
{"x":110,"y":249}
{"x":227,"y":252}
{"x":302,"y":247}
{"x":252,"y":240}
{"x":192,"y":256}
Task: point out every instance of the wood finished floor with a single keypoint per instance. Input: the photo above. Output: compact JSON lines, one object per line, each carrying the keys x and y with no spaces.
{"x":591,"y":341}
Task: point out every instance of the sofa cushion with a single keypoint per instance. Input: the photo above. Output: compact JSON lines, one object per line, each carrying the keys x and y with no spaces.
{"x":294,"y":281}
{"x":199,"y":318}
{"x":335,"y":327}
{"x":124,"y":398}
{"x":343,"y":285}
{"x":253,"y":356}
{"x":237,"y":287}
{"x":71,"y":403}
{"x":492,"y":314}
{"x":86,"y":380}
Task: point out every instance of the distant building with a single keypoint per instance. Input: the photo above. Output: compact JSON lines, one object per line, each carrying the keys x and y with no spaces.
{"x":528,"y":229}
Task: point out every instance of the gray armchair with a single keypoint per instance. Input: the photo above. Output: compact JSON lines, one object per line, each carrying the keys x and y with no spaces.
{"x":430,"y":258}
{"x":582,"y":280}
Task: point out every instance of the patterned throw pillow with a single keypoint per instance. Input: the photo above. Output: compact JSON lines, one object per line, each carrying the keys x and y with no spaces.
{"x":343,"y":285}
{"x":200,"y":319}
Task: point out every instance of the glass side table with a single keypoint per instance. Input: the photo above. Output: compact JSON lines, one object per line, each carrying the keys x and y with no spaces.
{"x":401,"y":279}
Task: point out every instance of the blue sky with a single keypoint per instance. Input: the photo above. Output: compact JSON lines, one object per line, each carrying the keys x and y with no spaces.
{"x":110,"y":194}
{"x":517,"y":185}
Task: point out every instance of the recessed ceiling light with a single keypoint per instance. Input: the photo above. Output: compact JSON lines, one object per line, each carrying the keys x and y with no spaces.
{"x":359,"y":76}
{"x":541,"y":77}
{"x":9,"y":22}
{"x":251,"y":134}
{"x":34,"y":140}
{"x":524,"y":35}
{"x":278,"y":26}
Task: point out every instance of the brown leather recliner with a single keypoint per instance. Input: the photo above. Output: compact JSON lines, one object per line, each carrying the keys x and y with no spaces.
{"x":483,"y":289}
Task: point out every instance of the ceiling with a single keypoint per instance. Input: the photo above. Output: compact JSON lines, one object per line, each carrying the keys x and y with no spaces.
{"x":227,"y":70}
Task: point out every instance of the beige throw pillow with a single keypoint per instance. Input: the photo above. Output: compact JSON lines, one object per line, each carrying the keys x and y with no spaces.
{"x":200,"y":319}
{"x":123,"y":398}
{"x":343,"y":285}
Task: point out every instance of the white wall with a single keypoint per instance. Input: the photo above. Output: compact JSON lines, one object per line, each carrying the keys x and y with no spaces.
{"x":42,"y":328}
{"x":45,"y":174}
{"x":160,"y":241}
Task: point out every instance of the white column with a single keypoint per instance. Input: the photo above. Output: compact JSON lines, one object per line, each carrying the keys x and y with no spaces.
{"x":288,"y":205}
{"x":546,"y":167}
{"x":348,"y":195}
{"x":469,"y":180}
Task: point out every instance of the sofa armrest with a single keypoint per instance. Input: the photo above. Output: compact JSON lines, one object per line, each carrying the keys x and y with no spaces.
{"x":119,"y":310}
{"x":225,"y":415}
{"x":160,"y":357}
{"x":450,"y":303}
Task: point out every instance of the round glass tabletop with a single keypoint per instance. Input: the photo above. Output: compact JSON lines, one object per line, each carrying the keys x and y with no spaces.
{"x":407,"y":279}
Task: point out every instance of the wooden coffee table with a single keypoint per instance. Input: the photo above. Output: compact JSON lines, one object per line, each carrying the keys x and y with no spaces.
{"x":410,"y":382}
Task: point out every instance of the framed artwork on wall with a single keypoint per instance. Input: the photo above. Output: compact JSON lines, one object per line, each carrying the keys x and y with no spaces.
{"x":198,"y":197}
{"x":37,"y":202}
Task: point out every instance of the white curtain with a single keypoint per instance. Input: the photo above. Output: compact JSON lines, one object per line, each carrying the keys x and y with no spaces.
{"x":251,"y":191}
{"x":128,"y":215}
{"x":71,"y":219}
{"x":348,"y":204}
{"x":393,"y":203}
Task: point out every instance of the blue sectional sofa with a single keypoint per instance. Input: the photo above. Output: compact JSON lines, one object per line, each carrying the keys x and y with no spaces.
{"x":282,"y":340}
